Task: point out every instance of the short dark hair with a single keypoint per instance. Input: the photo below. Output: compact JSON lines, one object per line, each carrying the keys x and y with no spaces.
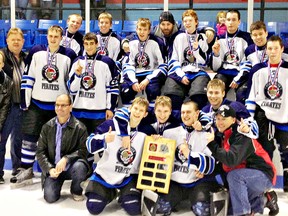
{"x":90,"y":36}
{"x":276,"y":38}
{"x":189,"y":101}
{"x":257,"y":26}
{"x":234,"y":11}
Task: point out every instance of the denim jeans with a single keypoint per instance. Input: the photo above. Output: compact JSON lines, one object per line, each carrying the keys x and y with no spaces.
{"x":246,"y":190}
{"x":12,"y":126}
{"x":77,"y":172}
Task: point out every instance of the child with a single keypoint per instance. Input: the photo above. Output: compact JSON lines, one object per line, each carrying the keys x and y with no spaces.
{"x":145,"y":69}
{"x":220,"y":26}
{"x":186,"y":76}
{"x":5,"y":94}
{"x":119,"y":165}
{"x":109,"y":42}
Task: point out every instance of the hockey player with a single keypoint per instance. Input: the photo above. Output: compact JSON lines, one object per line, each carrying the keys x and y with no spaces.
{"x":109,"y":42}
{"x":73,"y":38}
{"x":118,"y":166}
{"x":250,"y":171}
{"x":93,"y":84}
{"x":186,"y":76}
{"x":192,"y":165}
{"x":227,"y":54}
{"x":44,"y":79}
{"x":145,"y":69}
{"x":268,"y":97}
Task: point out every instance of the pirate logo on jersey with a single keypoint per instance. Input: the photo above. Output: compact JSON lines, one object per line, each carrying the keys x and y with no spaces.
{"x":273,"y":91}
{"x":231,"y":57}
{"x":179,"y":155}
{"x":142,"y":61}
{"x":88,"y":81}
{"x":188,"y":55}
{"x":51,"y":73}
{"x":103,"y":52}
{"x":125,"y":156}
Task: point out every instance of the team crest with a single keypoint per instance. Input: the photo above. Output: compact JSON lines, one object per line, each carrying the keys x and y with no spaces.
{"x":179,"y":155}
{"x":142,"y":61}
{"x":103,"y":52}
{"x":273,"y":91}
{"x":51,"y":73}
{"x":125,"y":156}
{"x":88,"y":80}
{"x":188,"y":55}
{"x":232,"y":57}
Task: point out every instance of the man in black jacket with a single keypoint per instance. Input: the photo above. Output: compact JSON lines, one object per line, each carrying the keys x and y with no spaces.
{"x":250,"y":171}
{"x":62,"y":153}
{"x":13,"y":67}
{"x":5,"y":95}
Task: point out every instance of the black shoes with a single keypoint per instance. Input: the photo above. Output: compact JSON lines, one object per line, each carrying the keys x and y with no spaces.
{"x":2,"y":181}
{"x":272,"y":202}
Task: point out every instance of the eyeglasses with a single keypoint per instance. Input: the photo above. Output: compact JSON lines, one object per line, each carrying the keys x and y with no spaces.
{"x":62,"y":105}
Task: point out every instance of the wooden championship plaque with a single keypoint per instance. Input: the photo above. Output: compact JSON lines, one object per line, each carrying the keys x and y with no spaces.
{"x":156,"y":164}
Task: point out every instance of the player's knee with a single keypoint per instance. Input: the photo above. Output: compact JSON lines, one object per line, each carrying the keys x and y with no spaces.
{"x":131,"y":204}
{"x":95,"y":203}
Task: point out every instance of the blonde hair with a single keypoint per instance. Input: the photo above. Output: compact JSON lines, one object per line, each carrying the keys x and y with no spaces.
{"x":105,"y":15}
{"x":219,"y":14}
{"x":56,"y":28}
{"x":76,"y":15}
{"x":163,"y":101}
{"x":15,"y":31}
{"x":216,"y":83}
{"x":141,"y":101}
{"x":143,"y":22}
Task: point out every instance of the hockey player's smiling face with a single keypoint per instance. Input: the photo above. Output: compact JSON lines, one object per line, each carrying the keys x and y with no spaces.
{"x":189,"y":114}
{"x":259,"y":37}
{"x":74,"y":23}
{"x":104,"y":25}
{"x":215,"y":96}
{"x":143,"y":32}
{"x":190,"y":24}
{"x":138,"y":112}
{"x":90,"y":47}
{"x":162,"y":113}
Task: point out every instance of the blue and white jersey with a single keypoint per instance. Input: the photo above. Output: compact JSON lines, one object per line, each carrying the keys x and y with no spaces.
{"x":117,"y":163}
{"x":145,"y":60}
{"x":199,"y":157}
{"x":109,"y":44}
{"x":73,"y":41}
{"x":45,"y":76}
{"x":96,"y":89}
{"x":269,"y":91}
{"x":232,"y":48}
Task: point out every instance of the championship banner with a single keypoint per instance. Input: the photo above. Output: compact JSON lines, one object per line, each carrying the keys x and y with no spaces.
{"x":156,"y":164}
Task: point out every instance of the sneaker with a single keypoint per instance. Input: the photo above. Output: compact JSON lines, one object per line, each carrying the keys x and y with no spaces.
{"x":78,"y":198}
{"x":2,"y":181}
{"x":272,"y":202}
{"x":23,"y":178}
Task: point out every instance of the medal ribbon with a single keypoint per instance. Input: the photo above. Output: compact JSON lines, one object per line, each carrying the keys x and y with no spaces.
{"x":133,"y":135}
{"x":190,"y":41}
{"x":88,"y":67}
{"x":141,"y":49}
{"x":231,"y":43}
{"x":104,"y":42}
{"x":262,"y":55}
{"x":160,"y":127}
{"x":67,"y":41}
{"x":50,"y":57}
{"x":273,"y":79}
